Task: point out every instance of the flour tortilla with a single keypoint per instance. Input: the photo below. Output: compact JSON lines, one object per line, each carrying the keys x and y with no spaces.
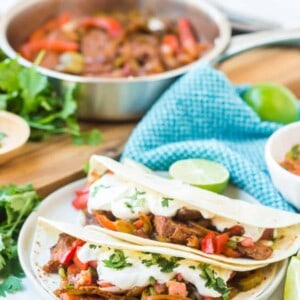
{"x":287,"y":224}
{"x":47,"y":233}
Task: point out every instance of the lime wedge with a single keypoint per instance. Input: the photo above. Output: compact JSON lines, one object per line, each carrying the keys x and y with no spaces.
{"x":201,"y":173}
{"x":136,"y":165}
{"x":292,"y":280}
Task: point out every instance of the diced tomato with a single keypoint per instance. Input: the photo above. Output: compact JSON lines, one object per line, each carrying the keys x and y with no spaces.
{"x":236,"y":230}
{"x":207,"y":243}
{"x":105,"y":222}
{"x":229,"y":252}
{"x":247,"y":242}
{"x":81,"y":265}
{"x":220,"y":242}
{"x":211,"y":298}
{"x":68,"y":256}
{"x":72,"y":270}
{"x":138,"y":223}
{"x":93,"y":264}
{"x":267,"y":234}
{"x":177,"y":289}
{"x":82,"y":191}
{"x":104,"y":284}
{"x":80,"y":202}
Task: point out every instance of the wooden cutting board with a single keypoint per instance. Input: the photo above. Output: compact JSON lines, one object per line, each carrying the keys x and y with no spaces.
{"x":56,"y":162}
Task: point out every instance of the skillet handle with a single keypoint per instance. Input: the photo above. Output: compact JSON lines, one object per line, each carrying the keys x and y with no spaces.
{"x":244,"y":42}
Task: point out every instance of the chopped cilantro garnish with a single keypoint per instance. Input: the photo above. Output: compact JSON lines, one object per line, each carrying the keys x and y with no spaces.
{"x":99,"y":187}
{"x":136,"y":200}
{"x":92,"y":246}
{"x":117,"y":261}
{"x":192,"y":267}
{"x":166,"y":265}
{"x":214,"y":282}
{"x":165,"y":201}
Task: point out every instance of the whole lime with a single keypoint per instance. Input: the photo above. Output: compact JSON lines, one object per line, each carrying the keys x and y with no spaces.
{"x":272,"y":102}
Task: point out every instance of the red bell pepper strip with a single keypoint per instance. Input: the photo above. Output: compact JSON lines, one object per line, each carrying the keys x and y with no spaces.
{"x":207,"y":243}
{"x":186,"y":35}
{"x":105,"y":222}
{"x":139,"y":223}
{"x":68,"y":256}
{"x":80,"y":202}
{"x":42,"y":31}
{"x":170,"y":44}
{"x":220,"y":242}
{"x":29,"y":49}
{"x":111,"y":25}
{"x":81,"y":265}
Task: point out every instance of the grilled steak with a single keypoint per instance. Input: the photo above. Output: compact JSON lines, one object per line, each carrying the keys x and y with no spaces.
{"x":257,"y":252}
{"x":65,"y":243}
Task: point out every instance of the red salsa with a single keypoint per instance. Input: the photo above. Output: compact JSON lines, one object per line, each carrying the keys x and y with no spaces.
{"x":291,"y":161}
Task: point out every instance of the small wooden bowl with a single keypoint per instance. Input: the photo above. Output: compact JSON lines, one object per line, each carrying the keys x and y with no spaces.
{"x":16,"y":132}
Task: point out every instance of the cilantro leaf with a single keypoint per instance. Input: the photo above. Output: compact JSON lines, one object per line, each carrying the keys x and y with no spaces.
{"x":47,"y":109}
{"x":165,"y":201}
{"x":16,"y":203}
{"x":214,"y":282}
{"x":11,"y":284}
{"x":117,"y":261}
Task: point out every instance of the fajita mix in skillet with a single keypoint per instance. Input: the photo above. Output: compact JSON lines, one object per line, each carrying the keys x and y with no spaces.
{"x":75,"y":263}
{"x":149,"y":210}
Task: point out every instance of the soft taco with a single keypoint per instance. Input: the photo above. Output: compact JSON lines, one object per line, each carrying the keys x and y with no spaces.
{"x":74,"y":263}
{"x":150,"y":210}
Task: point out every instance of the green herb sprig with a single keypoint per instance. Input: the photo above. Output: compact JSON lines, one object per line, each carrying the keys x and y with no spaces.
{"x":117,"y":261}
{"x":48,"y":111}
{"x":166,"y":265}
{"x":214,"y":282}
{"x":16,"y":203}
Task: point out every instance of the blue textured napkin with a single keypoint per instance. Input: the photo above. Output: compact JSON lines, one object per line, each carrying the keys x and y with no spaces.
{"x":203,"y":116}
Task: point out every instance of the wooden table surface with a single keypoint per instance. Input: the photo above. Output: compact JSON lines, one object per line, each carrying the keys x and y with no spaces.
{"x":56,"y":161}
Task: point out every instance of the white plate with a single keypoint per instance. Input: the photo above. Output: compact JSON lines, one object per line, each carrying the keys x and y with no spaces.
{"x":58,"y":206}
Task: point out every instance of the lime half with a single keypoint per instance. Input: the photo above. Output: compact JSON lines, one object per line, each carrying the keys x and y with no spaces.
{"x":292,"y":280}
{"x":202,"y":173}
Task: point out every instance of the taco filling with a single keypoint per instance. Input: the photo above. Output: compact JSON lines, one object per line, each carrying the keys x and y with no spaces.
{"x":90,"y":271}
{"x":119,"y":205}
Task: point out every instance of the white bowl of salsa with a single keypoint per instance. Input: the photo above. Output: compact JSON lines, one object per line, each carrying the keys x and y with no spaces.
{"x":283,"y":161}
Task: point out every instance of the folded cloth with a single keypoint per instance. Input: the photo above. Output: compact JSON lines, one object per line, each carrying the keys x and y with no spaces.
{"x":202,"y":115}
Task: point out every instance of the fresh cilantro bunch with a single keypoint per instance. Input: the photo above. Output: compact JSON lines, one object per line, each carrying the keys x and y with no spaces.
{"x":47,"y":110}
{"x":16,"y":203}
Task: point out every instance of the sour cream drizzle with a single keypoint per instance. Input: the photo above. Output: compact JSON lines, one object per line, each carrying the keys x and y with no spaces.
{"x":138,"y":274}
{"x":125,"y":200}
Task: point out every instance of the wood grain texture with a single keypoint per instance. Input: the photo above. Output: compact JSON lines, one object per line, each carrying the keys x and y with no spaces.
{"x":56,"y":161}
{"x":278,"y":64}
